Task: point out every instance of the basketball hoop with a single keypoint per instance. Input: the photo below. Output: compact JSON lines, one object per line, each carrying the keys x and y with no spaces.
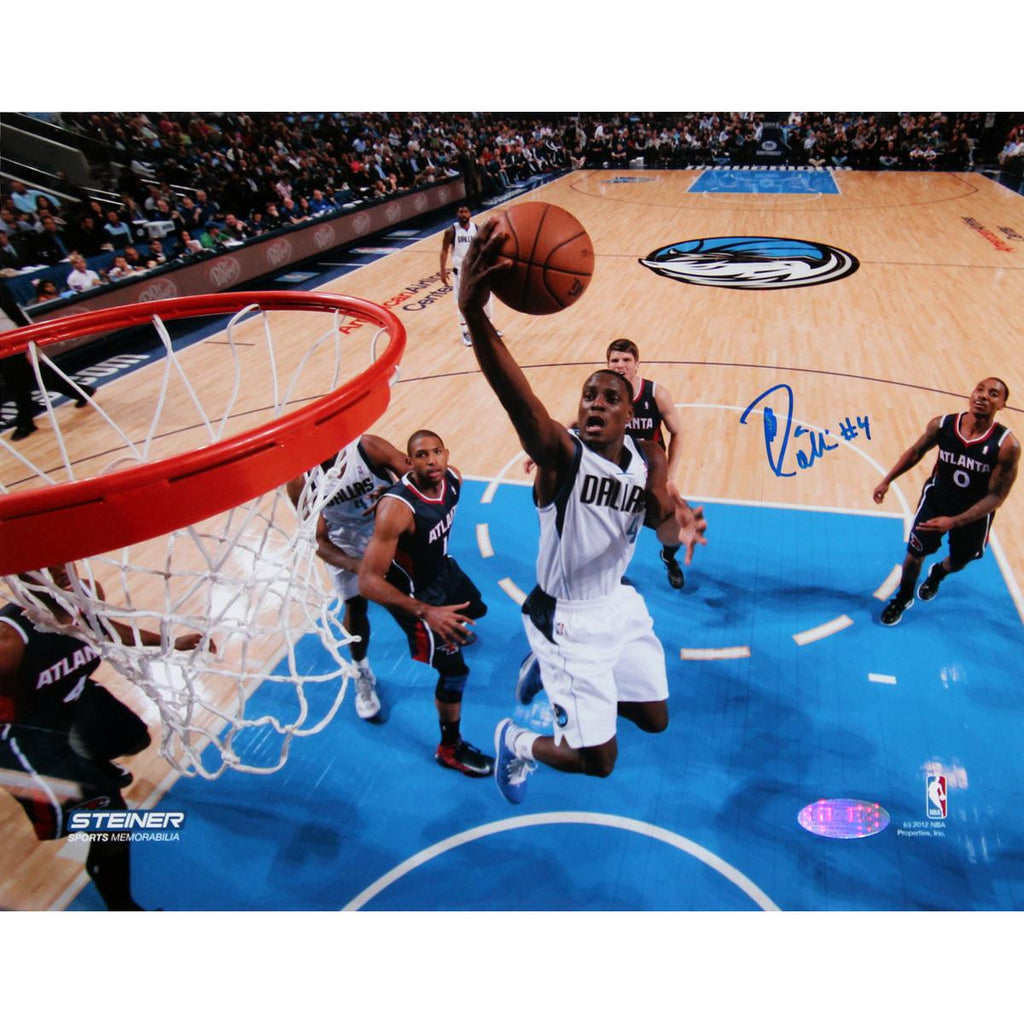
{"x":201,"y":540}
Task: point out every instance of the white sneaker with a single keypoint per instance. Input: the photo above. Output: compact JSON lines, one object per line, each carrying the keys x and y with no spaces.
{"x":511,"y":773}
{"x":467,"y":340}
{"x":367,"y":700}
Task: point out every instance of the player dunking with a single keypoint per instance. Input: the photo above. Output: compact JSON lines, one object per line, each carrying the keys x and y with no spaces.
{"x":366,"y":468}
{"x":975,"y":469}
{"x":653,"y":409}
{"x":457,"y":239}
{"x":592,"y":634}
{"x":56,"y":723}
{"x":407,"y":568}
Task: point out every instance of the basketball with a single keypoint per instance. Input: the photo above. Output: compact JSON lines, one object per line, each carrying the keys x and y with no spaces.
{"x":552,"y":258}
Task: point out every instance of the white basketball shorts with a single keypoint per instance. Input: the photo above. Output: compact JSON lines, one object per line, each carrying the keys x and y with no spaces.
{"x":352,"y":542}
{"x":602,"y":651}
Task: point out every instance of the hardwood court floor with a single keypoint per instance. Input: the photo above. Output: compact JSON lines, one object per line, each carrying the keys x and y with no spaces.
{"x":930,"y":310}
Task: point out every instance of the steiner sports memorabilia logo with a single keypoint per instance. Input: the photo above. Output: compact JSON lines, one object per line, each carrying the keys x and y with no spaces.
{"x":751,"y":262}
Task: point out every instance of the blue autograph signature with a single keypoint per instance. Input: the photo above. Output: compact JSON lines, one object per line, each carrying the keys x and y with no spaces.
{"x":776,"y":441}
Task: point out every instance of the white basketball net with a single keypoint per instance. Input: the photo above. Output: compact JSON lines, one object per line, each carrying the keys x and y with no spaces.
{"x":248,"y":581}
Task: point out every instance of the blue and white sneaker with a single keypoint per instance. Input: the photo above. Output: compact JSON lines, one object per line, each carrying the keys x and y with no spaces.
{"x":529,"y":683}
{"x":510,"y":772}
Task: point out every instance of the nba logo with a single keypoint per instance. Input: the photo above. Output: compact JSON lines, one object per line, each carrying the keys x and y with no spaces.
{"x":935,"y":799}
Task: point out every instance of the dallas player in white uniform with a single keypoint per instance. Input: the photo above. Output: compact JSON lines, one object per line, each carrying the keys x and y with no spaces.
{"x":344,"y":528}
{"x":458,"y":239}
{"x":591,"y":634}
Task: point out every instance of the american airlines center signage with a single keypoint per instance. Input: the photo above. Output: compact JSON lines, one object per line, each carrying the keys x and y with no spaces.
{"x":258,"y":257}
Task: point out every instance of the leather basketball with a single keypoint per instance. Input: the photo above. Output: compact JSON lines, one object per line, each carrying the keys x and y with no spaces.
{"x":552,"y":258}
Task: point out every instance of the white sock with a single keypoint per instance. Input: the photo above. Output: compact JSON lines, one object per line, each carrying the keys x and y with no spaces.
{"x":523,"y":744}
{"x":361,"y":664}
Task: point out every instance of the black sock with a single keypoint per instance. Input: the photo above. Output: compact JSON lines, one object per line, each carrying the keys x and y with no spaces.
{"x":449,"y":733}
{"x":668,"y":554}
{"x":937,"y":573}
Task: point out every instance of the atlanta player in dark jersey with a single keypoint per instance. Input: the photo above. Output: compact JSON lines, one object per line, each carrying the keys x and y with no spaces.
{"x":654,"y":414}
{"x":406,"y":567}
{"x":590,"y":633}
{"x":60,"y":731}
{"x":974,"y":471}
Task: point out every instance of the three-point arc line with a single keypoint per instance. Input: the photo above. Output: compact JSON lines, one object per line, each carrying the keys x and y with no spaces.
{"x":688,"y":846}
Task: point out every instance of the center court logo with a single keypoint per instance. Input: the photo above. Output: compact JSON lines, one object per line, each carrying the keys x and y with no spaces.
{"x":751,"y":262}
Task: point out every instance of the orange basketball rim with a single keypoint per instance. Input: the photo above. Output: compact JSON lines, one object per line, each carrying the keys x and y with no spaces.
{"x":62,"y":522}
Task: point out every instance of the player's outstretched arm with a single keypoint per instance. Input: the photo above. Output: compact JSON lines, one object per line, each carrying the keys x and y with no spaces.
{"x":673,"y":425}
{"x":544,"y":439}
{"x":668,"y":513}
{"x":446,"y":243}
{"x":385,"y":455}
{"x":910,"y":458}
{"x":147,"y":638}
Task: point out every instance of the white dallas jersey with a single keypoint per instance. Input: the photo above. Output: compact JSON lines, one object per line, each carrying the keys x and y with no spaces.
{"x":345,"y":509}
{"x":588,"y":533}
{"x":460,"y":245}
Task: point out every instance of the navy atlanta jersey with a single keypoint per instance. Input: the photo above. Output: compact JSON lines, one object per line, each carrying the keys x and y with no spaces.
{"x":588,"y":533}
{"x":963,"y":468}
{"x":419,"y":557}
{"x":646,"y":422}
{"x":54,"y":668}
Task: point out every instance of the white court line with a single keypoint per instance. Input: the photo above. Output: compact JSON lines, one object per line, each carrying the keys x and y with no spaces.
{"x":713,"y":653}
{"x":890,"y":583}
{"x":512,"y":590}
{"x":696,"y":499}
{"x":726,"y":870}
{"x":483,"y":540}
{"x":877,"y":677}
{"x":1004,"y":566}
{"x":809,"y":636}
{"x":810,"y":426}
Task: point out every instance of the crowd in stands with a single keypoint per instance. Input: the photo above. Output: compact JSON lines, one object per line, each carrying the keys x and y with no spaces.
{"x":188,"y":183}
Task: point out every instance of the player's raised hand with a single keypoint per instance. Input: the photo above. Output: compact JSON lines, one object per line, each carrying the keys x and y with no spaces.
{"x":448,"y":622}
{"x":943,"y":524}
{"x":692,"y":525}
{"x":482,"y":262}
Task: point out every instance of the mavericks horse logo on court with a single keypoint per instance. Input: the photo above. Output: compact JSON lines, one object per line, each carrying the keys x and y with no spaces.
{"x":751,"y":262}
